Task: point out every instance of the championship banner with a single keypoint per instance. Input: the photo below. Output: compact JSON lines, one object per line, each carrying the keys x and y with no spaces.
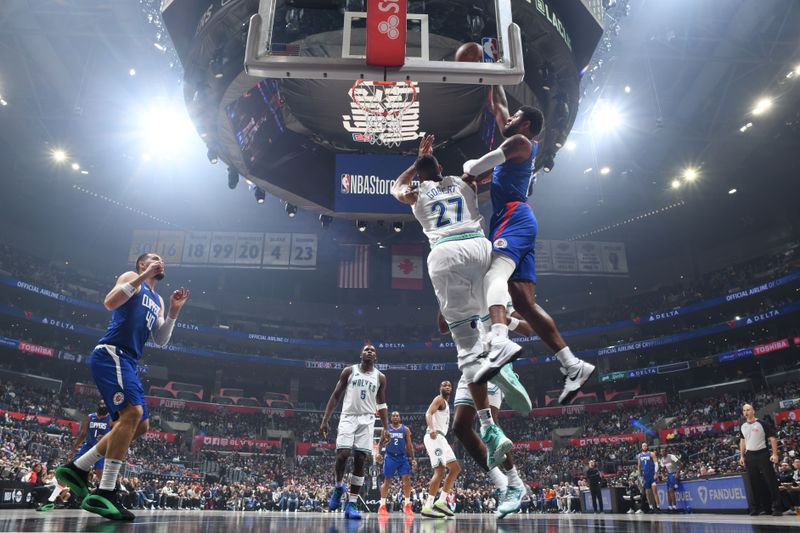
{"x":668,"y":434}
{"x":235,"y":444}
{"x":608,"y":439}
{"x":407,"y":266}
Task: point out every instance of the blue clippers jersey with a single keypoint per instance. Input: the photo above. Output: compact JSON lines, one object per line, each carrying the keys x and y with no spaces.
{"x":510,"y":181}
{"x":131,"y":322}
{"x":397,"y":440}
{"x":98,"y":426}
{"x":646,"y":463}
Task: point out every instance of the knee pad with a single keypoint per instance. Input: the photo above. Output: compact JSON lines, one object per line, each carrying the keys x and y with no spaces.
{"x":496,"y":280}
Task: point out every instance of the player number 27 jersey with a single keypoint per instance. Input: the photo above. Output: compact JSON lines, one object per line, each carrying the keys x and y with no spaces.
{"x":447,"y":207}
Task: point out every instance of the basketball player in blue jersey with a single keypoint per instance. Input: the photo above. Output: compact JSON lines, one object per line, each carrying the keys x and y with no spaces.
{"x":364,"y":389}
{"x":646,"y":468}
{"x":93,"y":428}
{"x":396,"y":462}
{"x":513,"y":235}
{"x":138,"y":314}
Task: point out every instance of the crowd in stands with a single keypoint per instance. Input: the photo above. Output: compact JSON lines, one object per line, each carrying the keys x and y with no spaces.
{"x":170,"y":475}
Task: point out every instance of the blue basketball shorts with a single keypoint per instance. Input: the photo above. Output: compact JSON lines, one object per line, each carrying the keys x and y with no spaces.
{"x":396,"y":465}
{"x":513,"y":233}
{"x":116,"y":378}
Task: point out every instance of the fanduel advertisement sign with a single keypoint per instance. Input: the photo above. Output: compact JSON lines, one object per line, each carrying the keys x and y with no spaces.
{"x":363,"y":183}
{"x":722,"y":493}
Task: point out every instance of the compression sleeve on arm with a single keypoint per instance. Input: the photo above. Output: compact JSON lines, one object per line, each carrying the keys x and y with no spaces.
{"x":476,"y":167}
{"x":163,"y":331}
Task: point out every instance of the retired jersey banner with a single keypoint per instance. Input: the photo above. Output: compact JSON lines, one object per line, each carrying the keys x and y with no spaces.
{"x":407,"y":266}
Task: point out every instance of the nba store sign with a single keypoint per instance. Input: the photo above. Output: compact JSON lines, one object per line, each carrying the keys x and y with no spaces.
{"x":363,"y":183}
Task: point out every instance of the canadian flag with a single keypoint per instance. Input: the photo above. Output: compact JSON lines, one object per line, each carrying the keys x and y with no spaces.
{"x":407,"y":266}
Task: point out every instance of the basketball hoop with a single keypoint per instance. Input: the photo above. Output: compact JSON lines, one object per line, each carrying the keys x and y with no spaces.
{"x":383,"y":104}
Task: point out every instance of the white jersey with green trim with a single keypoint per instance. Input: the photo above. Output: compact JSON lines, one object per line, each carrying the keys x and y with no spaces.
{"x":447,"y":208}
{"x":360,"y":397}
{"x":441,"y":419}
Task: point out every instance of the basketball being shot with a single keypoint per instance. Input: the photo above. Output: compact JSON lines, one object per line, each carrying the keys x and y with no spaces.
{"x":228,"y":226}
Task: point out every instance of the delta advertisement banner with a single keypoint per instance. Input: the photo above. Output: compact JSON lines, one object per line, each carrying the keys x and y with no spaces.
{"x":608,"y":439}
{"x":669,"y":434}
{"x":534,"y":445}
{"x":363,"y":183}
{"x":234,"y":444}
{"x":73,"y":426}
{"x":715,"y":494}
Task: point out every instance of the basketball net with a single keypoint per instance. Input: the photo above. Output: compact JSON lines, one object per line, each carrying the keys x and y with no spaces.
{"x":383,"y":104}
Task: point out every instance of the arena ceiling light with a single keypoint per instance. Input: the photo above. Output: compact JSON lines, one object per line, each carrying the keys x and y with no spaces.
{"x":571,"y":146}
{"x":233,"y":178}
{"x":690,"y":174}
{"x":732,"y":191}
{"x":164,"y":129}
{"x":605,"y":171}
{"x":260,"y":195}
{"x":325,"y":221}
{"x":606,"y":117}
{"x":213,"y":158}
{"x":132,"y":72}
{"x":291,"y":210}
{"x":762,"y":106}
{"x":627,"y":89}
{"x":361,"y":225}
{"x":58,"y":155}
{"x":397,"y":226}
{"x":676,"y":184}
{"x":76,"y":166}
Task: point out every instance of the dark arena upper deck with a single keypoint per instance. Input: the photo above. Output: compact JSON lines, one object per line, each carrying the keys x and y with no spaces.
{"x":554,"y":243}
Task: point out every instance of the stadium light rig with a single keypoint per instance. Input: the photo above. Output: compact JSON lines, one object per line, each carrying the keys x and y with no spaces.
{"x":676,"y":184}
{"x":233,"y":178}
{"x":762,"y":106}
{"x":260,"y":195}
{"x":361,"y":225}
{"x":690,"y":174}
{"x":291,"y":210}
{"x":325,"y":221}
{"x":59,"y":156}
{"x":397,"y":226}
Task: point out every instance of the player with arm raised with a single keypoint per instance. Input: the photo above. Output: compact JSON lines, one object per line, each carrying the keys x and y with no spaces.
{"x":513,"y":235}
{"x":138,"y":314}
{"x":364,"y":389}
{"x":447,"y":209}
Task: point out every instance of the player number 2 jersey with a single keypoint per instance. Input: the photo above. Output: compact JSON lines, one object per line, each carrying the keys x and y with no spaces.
{"x":361,"y":393}
{"x":397,"y":440}
{"x":445,"y":208}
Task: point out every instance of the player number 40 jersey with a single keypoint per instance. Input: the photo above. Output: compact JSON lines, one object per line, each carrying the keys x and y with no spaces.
{"x":447,"y":207}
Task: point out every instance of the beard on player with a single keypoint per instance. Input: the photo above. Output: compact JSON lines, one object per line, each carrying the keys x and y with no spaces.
{"x":445,"y":389}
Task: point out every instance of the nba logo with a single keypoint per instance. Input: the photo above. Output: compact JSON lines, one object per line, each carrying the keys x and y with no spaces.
{"x":345,"y":184}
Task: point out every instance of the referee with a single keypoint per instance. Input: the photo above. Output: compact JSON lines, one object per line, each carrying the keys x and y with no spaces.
{"x":755,"y":456}
{"x":593,"y":477}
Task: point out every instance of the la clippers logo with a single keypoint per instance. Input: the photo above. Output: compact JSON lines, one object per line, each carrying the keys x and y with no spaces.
{"x":500,"y":243}
{"x":345,"y":183}
{"x":389,"y":27}
{"x":118,"y":398}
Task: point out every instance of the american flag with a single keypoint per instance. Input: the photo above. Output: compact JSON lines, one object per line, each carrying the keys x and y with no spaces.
{"x":354,"y":266}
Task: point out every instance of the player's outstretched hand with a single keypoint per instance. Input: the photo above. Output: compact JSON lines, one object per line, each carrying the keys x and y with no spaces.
{"x":426,"y":145}
{"x":414,"y":465}
{"x":323,"y":429}
{"x":178,"y":298}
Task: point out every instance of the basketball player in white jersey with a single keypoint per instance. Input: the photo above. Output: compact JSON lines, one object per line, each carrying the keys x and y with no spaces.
{"x":447,"y":210}
{"x":441,"y":454}
{"x":364,"y":390}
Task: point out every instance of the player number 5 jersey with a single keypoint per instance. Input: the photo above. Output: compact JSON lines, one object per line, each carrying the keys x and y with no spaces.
{"x":362,"y":389}
{"x":445,"y":208}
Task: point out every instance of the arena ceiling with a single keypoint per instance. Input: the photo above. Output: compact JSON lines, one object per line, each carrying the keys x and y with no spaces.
{"x":695,"y":70}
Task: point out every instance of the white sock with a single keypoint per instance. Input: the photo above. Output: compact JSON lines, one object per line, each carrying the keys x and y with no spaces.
{"x":513,"y":477}
{"x":443,"y":496}
{"x":56,"y":491}
{"x":566,"y":358}
{"x":383,"y":501}
{"x":110,"y":473}
{"x":86,"y":461}
{"x":485,"y":416}
{"x":500,"y":330}
{"x":498,"y":478}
